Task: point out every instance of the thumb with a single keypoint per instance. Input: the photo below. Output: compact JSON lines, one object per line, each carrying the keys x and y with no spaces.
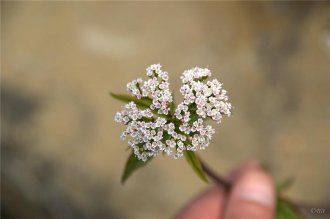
{"x":252,"y":197}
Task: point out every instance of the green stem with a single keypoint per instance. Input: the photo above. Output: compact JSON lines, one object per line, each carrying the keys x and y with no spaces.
{"x":215,"y":177}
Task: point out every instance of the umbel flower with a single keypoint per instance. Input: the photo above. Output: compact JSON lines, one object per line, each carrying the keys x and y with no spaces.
{"x":158,"y":127}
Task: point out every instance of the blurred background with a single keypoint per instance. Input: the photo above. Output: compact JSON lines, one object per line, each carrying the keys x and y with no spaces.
{"x":61,"y":156}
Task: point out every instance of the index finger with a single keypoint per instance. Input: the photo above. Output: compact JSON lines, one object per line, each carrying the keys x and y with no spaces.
{"x":209,"y":205}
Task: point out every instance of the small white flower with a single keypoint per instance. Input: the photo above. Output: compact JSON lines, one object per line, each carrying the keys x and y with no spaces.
{"x":151,"y":133}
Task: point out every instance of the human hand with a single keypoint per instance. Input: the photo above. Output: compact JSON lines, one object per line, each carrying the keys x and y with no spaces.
{"x":252,"y":196}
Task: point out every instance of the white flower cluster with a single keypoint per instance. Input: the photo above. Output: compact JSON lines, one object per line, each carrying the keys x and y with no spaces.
{"x":157,"y":88}
{"x":155,"y":130}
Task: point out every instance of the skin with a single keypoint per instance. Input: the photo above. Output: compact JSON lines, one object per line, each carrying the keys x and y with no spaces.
{"x":251,"y":197}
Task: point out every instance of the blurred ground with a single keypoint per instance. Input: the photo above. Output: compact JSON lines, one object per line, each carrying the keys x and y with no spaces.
{"x":61,"y":153}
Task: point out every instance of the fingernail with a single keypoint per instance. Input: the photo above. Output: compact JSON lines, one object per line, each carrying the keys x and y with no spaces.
{"x":258,"y":189}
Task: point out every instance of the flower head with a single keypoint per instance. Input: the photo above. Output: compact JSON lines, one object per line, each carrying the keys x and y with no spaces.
{"x":156,"y":129}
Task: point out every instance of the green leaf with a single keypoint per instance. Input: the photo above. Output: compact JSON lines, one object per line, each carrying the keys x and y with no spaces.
{"x":144,"y":102}
{"x":285,"y":210}
{"x":195,"y":164}
{"x":132,"y":164}
{"x":282,"y":186}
